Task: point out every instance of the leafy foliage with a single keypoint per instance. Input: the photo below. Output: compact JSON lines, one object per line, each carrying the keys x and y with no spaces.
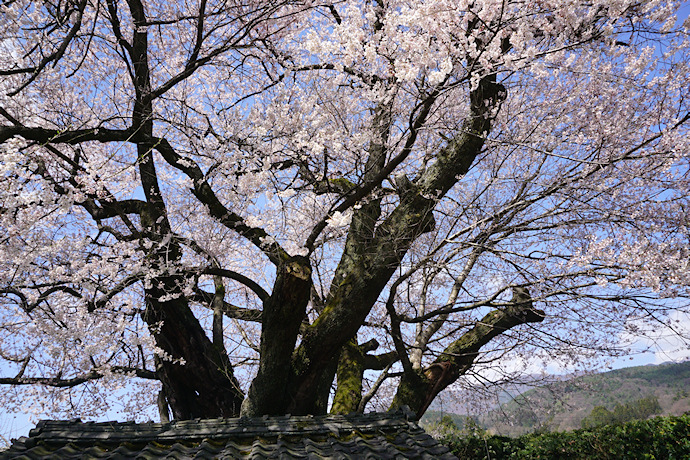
{"x":636,"y":410}
{"x":659,"y":438}
{"x":441,"y":425}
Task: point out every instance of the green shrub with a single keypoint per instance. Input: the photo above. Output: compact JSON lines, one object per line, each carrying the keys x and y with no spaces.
{"x":598,"y":417}
{"x":665,"y":438}
{"x":622,"y":413}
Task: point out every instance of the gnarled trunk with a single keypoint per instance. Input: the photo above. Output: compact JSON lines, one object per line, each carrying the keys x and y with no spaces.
{"x":197,"y":376}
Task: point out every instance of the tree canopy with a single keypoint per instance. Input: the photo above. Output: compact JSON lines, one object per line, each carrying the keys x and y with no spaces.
{"x":235,"y":206}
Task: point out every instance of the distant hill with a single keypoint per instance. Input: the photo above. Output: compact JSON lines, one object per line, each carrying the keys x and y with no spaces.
{"x":562,"y":405}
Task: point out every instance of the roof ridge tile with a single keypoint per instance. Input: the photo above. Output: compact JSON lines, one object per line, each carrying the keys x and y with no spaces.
{"x":375,"y":435}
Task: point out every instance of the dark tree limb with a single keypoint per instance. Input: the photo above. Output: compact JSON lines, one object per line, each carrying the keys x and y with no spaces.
{"x":57,"y":136}
{"x":240,"y":278}
{"x":418,"y":388}
{"x":53,"y":57}
{"x":231,"y":311}
{"x":197,"y":376}
{"x":217,"y":306}
{"x":204,"y":193}
{"x":59,"y":382}
{"x":359,"y":280}
{"x":379,"y":362}
{"x":378,"y":175}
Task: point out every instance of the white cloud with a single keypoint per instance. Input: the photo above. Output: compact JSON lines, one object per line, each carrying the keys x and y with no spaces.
{"x":673,"y":343}
{"x":669,"y":341}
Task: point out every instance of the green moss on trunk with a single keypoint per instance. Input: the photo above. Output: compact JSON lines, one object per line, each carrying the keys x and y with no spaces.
{"x":348,"y":393}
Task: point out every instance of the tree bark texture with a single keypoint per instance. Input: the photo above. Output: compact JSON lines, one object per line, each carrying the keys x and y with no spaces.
{"x":350,"y":375}
{"x":282,"y":316}
{"x":373,"y":253}
{"x":203,"y":386}
{"x":418,"y":388}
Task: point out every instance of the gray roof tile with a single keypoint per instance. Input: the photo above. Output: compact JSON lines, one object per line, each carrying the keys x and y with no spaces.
{"x":376,"y":436}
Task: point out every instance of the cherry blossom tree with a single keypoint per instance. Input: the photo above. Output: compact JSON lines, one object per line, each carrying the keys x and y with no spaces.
{"x":243,"y":207}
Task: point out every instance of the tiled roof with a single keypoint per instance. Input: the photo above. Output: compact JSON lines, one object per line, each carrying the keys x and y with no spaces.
{"x":355,"y":436}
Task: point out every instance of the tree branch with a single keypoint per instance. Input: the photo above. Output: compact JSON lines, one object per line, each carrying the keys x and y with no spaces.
{"x":78,"y":380}
{"x":240,"y":278}
{"x":379,"y":362}
{"x":204,"y":193}
{"x":231,"y":311}
{"x":54,"y":57}
{"x":418,"y":388}
{"x":57,"y":136}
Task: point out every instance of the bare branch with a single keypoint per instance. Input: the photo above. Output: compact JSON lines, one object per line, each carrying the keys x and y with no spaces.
{"x":95,"y":374}
{"x":54,"y":57}
{"x":240,"y":278}
{"x":231,"y":311}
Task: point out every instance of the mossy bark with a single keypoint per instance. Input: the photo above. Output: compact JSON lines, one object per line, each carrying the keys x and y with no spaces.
{"x":350,"y":375}
{"x":282,"y":316}
{"x":374,"y":249}
{"x":419,"y":388}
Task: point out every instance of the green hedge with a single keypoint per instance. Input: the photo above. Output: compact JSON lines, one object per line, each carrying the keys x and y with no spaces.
{"x":666,"y":438}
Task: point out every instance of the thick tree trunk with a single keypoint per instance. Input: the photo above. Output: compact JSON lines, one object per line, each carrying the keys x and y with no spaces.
{"x":197,"y":376}
{"x":372,"y":253}
{"x":282,"y":316}
{"x":322,"y":342}
{"x":354,"y":360}
{"x":350,"y":376}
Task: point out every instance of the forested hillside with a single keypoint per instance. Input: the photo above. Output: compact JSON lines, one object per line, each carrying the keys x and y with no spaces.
{"x":622,"y":393}
{"x":563,"y":405}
